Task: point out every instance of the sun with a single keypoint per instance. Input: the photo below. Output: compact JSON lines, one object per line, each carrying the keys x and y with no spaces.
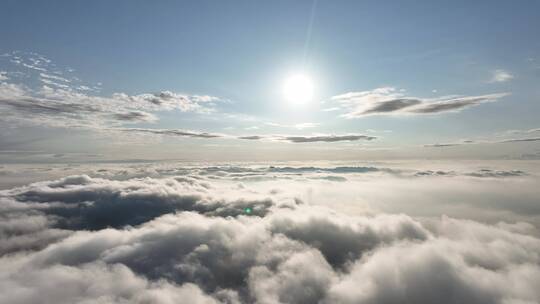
{"x":298,"y":89}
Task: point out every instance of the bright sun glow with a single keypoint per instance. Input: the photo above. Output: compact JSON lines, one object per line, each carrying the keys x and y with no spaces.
{"x":298,"y":89}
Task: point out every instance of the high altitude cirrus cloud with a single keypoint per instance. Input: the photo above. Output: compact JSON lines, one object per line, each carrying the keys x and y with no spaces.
{"x":390,"y":101}
{"x":54,"y":97}
{"x":185,"y":236}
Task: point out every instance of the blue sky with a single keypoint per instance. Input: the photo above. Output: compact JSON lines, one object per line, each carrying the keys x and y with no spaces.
{"x":483,"y":58}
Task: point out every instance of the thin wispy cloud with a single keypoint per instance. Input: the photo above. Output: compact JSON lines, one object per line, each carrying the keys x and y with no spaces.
{"x":498,"y":138}
{"x":274,"y":138}
{"x":526,"y":131}
{"x":328,"y":138}
{"x":390,"y":101}
{"x":67,"y":108}
{"x":169,"y":132}
{"x":310,"y":138}
{"x":501,"y":76}
{"x":53,"y":77}
{"x":483,"y":141}
{"x":530,"y":139}
{"x":63,"y":101}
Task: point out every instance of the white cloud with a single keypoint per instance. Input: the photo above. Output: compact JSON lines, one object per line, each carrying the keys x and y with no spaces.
{"x":54,"y":77}
{"x":391,"y":101}
{"x":63,"y":107}
{"x":501,"y":76}
{"x":526,"y":131}
{"x":9,"y":90}
{"x":167,"y":100}
{"x":64,"y":101}
{"x":181,"y":234}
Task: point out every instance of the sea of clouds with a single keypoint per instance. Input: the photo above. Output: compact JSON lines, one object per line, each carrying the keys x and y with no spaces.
{"x":282,"y":233}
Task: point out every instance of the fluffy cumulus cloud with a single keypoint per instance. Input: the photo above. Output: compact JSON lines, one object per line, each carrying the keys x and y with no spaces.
{"x":391,"y":101}
{"x":208,"y":235}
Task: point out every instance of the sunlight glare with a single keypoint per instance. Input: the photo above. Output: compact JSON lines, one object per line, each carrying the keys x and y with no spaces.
{"x":298,"y":89}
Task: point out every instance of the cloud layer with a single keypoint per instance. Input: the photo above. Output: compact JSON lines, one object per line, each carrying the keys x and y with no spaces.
{"x":184,"y":234}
